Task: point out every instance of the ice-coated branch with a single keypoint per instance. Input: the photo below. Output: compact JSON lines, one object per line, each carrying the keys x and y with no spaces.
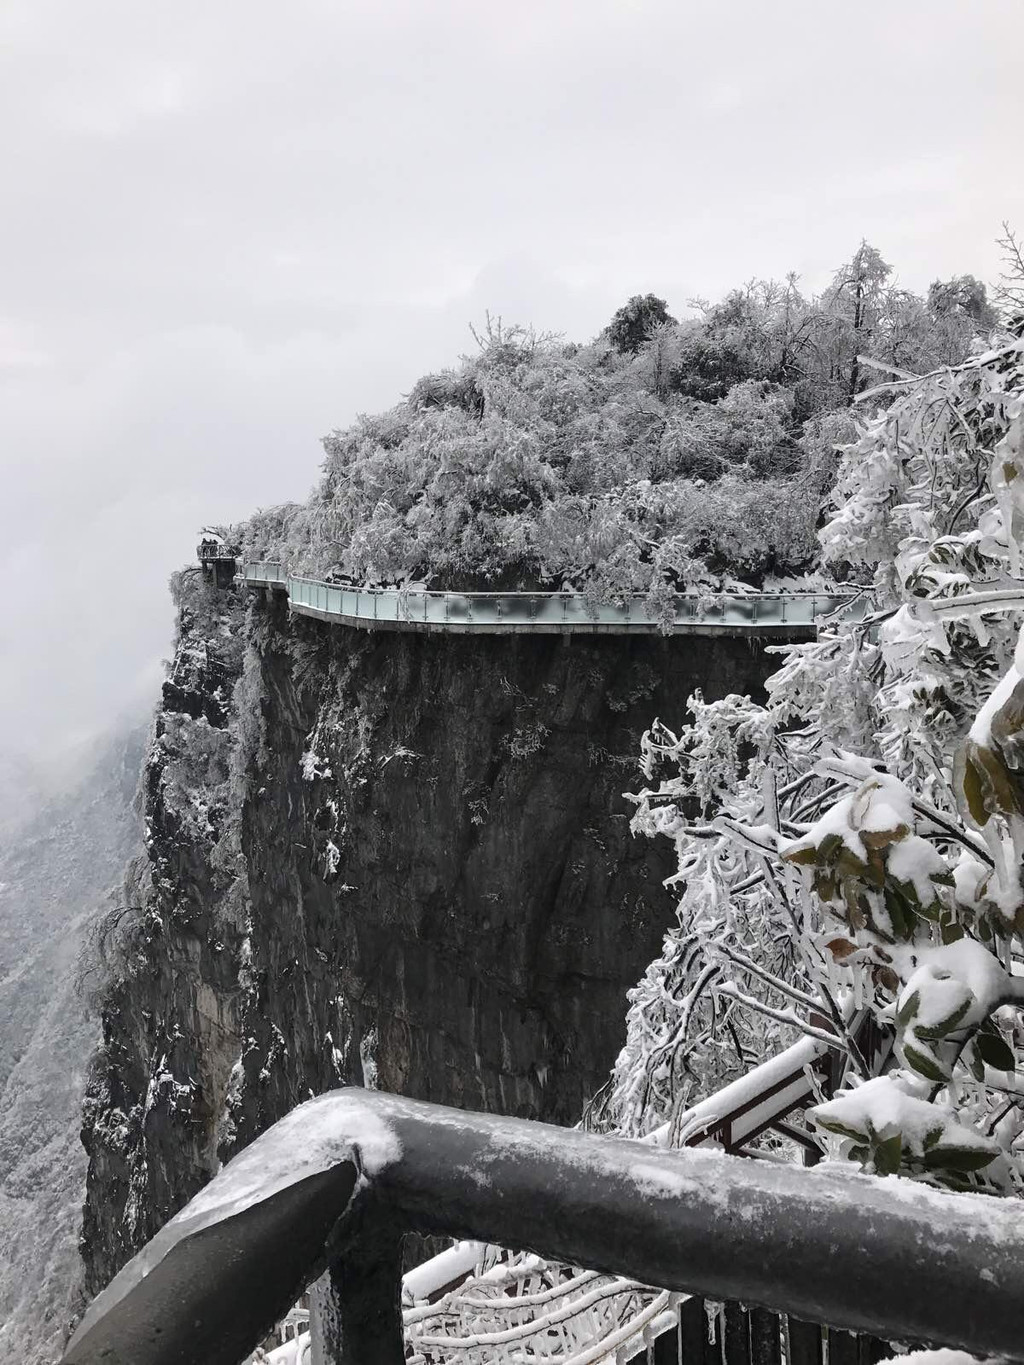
{"x":732,"y":992}
{"x":748,"y":964}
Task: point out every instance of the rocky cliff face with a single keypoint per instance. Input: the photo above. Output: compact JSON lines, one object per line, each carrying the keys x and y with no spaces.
{"x":394,"y":859}
{"x":170,"y":1008}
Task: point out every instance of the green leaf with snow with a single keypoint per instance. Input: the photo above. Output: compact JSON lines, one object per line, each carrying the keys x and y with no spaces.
{"x":995,"y":1051}
{"x":888,"y":1155}
{"x":829,"y":848}
{"x":901,"y":913}
{"x":849,"y":865}
{"x":839,"y":1128}
{"x":952,"y":1158}
{"x":923,"y":1063}
{"x":944,"y":1026}
{"x":908,"y":1008}
{"x":803,"y":857}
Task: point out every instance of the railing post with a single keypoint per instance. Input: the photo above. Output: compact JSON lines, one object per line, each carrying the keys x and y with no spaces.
{"x":358,"y":1305}
{"x":843,"y":1347}
{"x":736,"y":1331}
{"x":803,"y":1342}
{"x":765,"y":1343}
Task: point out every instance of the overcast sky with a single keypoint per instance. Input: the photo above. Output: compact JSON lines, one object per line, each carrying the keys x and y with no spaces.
{"x":230,"y":225}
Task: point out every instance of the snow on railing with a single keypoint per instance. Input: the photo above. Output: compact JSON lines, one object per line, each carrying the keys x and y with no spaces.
{"x":334,"y":1185}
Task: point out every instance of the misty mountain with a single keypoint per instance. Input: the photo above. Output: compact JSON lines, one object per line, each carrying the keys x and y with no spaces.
{"x":58,"y":860}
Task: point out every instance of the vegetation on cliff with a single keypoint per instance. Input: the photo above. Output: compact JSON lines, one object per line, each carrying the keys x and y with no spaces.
{"x":860,"y":846}
{"x":661,"y":454}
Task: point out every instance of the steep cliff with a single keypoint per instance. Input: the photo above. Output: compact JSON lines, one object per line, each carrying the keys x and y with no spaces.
{"x":395,"y":859}
{"x":172,"y":954}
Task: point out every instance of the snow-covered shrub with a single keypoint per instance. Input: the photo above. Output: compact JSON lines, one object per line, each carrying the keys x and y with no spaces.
{"x":852,"y":850}
{"x":661,"y":454}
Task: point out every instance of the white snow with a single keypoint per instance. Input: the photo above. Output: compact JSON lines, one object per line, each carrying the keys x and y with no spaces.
{"x":915,"y":860}
{"x":981,"y":730}
{"x":880,"y":804}
{"x":887,"y":1105}
{"x":969,"y":878}
{"x":704,"y":1115}
{"x":941,"y":1357}
{"x":440,"y":1271}
{"x":314,"y":1137}
{"x":968,"y":962}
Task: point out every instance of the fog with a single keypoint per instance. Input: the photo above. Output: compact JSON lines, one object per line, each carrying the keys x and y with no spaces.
{"x":230,"y":227}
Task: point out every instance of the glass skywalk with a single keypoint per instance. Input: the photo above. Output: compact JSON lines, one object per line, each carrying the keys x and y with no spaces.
{"x":540,"y":612}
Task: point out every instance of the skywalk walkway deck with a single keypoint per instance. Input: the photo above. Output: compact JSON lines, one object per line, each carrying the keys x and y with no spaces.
{"x":783,"y":615}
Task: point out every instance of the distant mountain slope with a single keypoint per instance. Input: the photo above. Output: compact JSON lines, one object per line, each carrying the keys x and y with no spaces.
{"x":55,"y":873}
{"x":22,"y":791}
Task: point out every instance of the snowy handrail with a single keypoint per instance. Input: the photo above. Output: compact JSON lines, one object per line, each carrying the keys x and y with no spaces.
{"x":752,"y":613}
{"x":335,"y":1184}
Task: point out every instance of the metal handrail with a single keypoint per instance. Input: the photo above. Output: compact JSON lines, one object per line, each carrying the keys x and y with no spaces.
{"x":732,"y":1117}
{"x":335,"y":1184}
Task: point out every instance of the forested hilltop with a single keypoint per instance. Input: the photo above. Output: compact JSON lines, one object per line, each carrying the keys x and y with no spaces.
{"x":663,"y":453}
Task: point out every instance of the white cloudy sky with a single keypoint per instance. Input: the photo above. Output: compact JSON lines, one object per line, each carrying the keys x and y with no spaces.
{"x":229,"y":225}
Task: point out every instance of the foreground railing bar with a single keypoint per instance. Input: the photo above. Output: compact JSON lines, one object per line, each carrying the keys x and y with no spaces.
{"x":887,"y":1257}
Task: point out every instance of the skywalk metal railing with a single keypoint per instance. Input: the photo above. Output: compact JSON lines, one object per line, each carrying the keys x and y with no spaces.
{"x":334,"y":1186}
{"x":551,"y":612}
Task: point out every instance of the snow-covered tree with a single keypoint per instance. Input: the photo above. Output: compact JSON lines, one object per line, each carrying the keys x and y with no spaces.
{"x":851,"y":851}
{"x":660,"y":453}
